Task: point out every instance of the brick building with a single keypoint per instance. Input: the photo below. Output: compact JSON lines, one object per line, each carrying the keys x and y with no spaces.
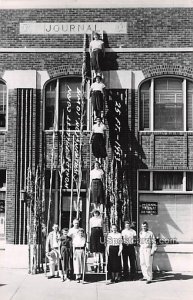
{"x":148,"y":69}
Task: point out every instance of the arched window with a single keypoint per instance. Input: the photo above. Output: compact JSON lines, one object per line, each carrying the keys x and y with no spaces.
{"x":63,"y":96}
{"x":3,"y":104}
{"x":166,"y":103}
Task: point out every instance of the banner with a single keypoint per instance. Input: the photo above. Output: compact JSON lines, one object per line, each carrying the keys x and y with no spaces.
{"x":67,"y":160}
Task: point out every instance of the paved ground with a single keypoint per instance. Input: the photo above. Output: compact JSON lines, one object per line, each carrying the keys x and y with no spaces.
{"x":16,"y":284}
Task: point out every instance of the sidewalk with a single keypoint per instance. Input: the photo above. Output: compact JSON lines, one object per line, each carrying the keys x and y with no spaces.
{"x":16,"y":284}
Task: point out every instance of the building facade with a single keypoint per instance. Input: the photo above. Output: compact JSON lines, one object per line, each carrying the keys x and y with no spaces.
{"x":148,"y":73}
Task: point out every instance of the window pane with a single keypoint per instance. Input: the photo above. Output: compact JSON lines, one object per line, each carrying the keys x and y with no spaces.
{"x":2,"y":178}
{"x":3,"y":104}
{"x":50,"y":103}
{"x":167,"y":181}
{"x":69,"y":102}
{"x":168,"y":104}
{"x":189,"y":181}
{"x":144,"y":181}
{"x":189,"y":105}
{"x":144,"y":106}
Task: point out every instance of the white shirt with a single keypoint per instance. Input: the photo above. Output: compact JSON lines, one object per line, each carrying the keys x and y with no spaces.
{"x":114,"y":239}
{"x":147,"y":240}
{"x":96,"y":44}
{"x":96,"y":222}
{"x":99,"y":129}
{"x":96,"y":174}
{"x":79,"y":241}
{"x":55,"y":239}
{"x":72,"y":232}
{"x":128,"y":236}
{"x":97,"y":86}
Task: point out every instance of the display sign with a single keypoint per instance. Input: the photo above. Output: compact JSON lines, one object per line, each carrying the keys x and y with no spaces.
{"x":148,"y":208}
{"x":73,"y":28}
{"x":2,"y":206}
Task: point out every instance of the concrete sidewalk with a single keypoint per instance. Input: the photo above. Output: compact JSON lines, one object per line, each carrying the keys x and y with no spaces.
{"x":16,"y":284}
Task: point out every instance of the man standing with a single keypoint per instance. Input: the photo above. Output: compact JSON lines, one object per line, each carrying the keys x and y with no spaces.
{"x":129,"y":239}
{"x":147,"y":250}
{"x":52,"y":249}
{"x":74,"y":230}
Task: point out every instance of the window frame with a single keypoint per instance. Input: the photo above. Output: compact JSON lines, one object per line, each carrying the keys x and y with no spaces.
{"x":168,"y":191}
{"x":57,"y":103}
{"x":151,"y":104}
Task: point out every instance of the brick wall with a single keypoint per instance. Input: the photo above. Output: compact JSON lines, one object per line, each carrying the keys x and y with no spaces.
{"x":146,"y":27}
{"x":149,"y":27}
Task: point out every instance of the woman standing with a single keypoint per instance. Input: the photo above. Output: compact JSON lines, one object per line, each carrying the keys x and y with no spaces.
{"x":97,"y":193}
{"x":79,"y":244}
{"x":97,"y":140}
{"x":97,"y":53}
{"x":97,"y":93}
{"x":97,"y":240}
{"x":65,"y":252}
{"x":114,"y":249}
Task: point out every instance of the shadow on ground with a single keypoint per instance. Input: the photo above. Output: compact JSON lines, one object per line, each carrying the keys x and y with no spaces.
{"x":166,"y":276}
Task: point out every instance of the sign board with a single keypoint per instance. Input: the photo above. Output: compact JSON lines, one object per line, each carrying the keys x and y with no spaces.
{"x":2,"y":206}
{"x":73,"y":28}
{"x":148,"y":208}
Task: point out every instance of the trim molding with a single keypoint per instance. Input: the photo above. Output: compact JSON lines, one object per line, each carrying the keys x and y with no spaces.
{"x":78,"y":50}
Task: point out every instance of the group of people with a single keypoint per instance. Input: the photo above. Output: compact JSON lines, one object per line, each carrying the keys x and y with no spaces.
{"x":66,"y":251}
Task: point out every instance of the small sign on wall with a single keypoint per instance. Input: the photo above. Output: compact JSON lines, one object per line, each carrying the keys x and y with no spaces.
{"x":73,"y":28}
{"x":148,"y":208}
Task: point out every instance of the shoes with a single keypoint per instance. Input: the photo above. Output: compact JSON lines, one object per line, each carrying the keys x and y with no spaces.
{"x":112,"y":280}
{"x":49,"y":277}
{"x":142,"y":279}
{"x":148,"y":281}
{"x":116,"y":280}
{"x":96,"y":269}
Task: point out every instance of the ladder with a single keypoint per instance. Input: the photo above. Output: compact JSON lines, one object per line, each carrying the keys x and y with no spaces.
{"x":88,"y":263}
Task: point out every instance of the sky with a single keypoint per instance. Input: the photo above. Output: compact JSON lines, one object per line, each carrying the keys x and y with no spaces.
{"x":9,"y":4}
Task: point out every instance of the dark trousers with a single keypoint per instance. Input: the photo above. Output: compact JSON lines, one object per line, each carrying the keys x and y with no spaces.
{"x":129,"y":251}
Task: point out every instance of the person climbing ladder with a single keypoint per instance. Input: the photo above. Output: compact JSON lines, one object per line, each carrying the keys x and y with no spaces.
{"x":98,"y":141}
{"x":97,"y":93}
{"x":97,"y":53}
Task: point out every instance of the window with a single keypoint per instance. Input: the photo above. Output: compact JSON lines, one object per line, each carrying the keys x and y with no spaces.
{"x":3,"y":104}
{"x":161,"y":181}
{"x":166,"y":103}
{"x":2,"y":179}
{"x":167,"y":181}
{"x":144,"y":181}
{"x":63,"y":96}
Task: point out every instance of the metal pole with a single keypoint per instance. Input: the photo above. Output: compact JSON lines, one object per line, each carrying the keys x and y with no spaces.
{"x":21,"y":169}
